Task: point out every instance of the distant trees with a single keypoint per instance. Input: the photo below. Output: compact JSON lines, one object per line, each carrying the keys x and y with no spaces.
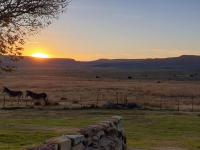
{"x":18,"y":18}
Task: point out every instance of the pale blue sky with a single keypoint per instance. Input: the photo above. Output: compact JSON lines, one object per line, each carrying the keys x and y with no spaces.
{"x":92,"y":29}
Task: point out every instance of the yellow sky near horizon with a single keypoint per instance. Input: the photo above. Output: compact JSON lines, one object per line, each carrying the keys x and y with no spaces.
{"x":132,"y":29}
{"x":50,"y":49}
{"x":54,"y":48}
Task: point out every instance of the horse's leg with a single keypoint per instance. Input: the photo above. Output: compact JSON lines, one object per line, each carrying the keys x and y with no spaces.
{"x":22,"y":99}
{"x":18,"y":100}
{"x":26,"y":100}
{"x":4,"y":101}
{"x":45,"y":100}
{"x":45,"y":103}
{"x":11,"y":100}
{"x":32,"y":101}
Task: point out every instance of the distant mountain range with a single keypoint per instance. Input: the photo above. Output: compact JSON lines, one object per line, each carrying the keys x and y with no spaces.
{"x":182,"y":63}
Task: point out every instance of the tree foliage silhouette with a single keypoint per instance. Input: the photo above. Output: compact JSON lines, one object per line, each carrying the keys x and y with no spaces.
{"x":19,"y":18}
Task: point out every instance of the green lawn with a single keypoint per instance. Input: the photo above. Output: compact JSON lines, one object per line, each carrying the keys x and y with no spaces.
{"x":144,"y":129}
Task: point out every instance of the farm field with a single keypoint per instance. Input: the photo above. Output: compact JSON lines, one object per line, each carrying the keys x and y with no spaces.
{"x":170,"y":124}
{"x":72,"y":88}
{"x":146,"y":130}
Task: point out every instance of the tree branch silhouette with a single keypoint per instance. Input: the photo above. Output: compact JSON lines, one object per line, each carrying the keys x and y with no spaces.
{"x":19,"y":18}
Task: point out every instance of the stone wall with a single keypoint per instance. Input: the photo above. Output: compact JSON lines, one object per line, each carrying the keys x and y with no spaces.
{"x":106,"y":135}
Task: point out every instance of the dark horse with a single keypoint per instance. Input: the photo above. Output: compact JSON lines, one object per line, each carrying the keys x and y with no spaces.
{"x":37,"y":96}
{"x":11,"y":93}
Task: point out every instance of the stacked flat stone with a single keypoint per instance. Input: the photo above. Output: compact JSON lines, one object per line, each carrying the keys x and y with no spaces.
{"x":106,"y":135}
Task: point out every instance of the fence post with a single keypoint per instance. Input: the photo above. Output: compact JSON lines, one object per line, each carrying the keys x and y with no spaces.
{"x":98,"y":94}
{"x":117,"y":97}
{"x":178,"y":103}
{"x":160,"y":103}
{"x":192,"y":103}
{"x":4,"y":101}
{"x":125,"y":99}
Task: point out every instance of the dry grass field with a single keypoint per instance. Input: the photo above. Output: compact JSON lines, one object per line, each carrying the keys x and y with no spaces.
{"x":71,"y":90}
{"x":145,"y":129}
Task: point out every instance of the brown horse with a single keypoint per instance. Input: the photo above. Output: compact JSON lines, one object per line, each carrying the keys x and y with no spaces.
{"x":37,"y":96}
{"x":11,"y":93}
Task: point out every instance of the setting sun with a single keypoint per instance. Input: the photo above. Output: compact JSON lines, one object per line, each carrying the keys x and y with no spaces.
{"x":40,"y":55}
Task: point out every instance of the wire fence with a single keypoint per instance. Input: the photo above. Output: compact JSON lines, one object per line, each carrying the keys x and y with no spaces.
{"x":100,"y":97}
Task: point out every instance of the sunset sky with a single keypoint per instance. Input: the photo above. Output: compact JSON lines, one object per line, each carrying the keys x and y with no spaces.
{"x":93,"y":29}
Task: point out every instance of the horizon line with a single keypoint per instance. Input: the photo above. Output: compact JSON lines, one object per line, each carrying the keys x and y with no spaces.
{"x":110,"y":58}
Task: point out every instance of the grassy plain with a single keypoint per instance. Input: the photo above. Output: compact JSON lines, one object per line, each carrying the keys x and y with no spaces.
{"x":145,"y":129}
{"x":71,"y":86}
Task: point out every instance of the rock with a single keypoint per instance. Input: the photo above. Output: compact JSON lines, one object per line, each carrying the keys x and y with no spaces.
{"x":76,"y":139}
{"x":96,"y":128}
{"x":112,"y":132}
{"x":78,"y":147}
{"x":88,"y":132}
{"x":104,"y":125}
{"x":95,"y":138}
{"x":63,"y":142}
{"x":100,"y":134}
{"x":106,"y":135}
{"x":110,"y":123}
{"x":106,"y":143}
